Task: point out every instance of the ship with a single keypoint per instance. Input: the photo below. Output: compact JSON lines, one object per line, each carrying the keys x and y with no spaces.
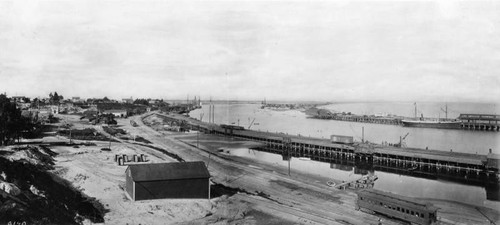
{"x":432,"y":124}
{"x":426,"y":123}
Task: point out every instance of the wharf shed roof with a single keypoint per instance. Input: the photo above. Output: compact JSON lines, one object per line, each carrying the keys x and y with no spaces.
{"x":463,"y":158}
{"x":491,"y":117}
{"x":168,"y":171}
{"x":294,"y":138}
{"x":493,"y":161}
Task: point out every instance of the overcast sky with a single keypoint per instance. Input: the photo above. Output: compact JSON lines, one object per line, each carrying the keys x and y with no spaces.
{"x":281,"y":50}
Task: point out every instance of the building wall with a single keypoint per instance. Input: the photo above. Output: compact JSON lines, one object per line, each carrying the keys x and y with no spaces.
{"x":119,"y":114}
{"x":189,"y":188}
{"x":129,"y":185}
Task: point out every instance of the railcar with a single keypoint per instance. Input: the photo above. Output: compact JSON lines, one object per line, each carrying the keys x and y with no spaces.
{"x":404,"y":208}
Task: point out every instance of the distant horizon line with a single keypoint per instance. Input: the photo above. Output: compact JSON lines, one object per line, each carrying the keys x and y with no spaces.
{"x":273,"y":100}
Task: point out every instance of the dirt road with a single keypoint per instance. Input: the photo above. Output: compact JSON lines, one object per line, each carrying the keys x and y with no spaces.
{"x":301,"y":198}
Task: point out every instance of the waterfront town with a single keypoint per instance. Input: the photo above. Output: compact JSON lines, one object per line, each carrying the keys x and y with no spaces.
{"x":249,"y":112}
{"x":84,"y":161}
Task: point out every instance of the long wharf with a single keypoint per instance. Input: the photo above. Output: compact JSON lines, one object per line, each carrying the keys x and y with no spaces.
{"x":473,"y":167}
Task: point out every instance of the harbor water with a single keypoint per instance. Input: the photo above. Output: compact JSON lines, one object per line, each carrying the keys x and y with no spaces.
{"x":296,"y":122}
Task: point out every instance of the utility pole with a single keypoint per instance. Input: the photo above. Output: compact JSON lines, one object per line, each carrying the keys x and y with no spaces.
{"x":362,"y":134}
{"x":287,"y":142}
{"x":289,"y":159}
{"x":210,"y":111}
{"x":109,"y":142}
{"x":198,"y":137}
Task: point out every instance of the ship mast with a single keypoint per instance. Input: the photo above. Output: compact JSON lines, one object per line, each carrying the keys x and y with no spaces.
{"x":415,"y":110}
{"x":445,"y":110}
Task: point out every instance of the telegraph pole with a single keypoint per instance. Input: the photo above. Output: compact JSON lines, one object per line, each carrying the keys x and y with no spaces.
{"x":210,"y":111}
{"x":362,"y":134}
{"x":109,"y":142}
{"x":286,"y":142}
{"x":198,"y":137}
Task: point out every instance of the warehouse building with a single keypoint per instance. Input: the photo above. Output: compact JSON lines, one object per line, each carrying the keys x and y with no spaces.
{"x":167,"y":180}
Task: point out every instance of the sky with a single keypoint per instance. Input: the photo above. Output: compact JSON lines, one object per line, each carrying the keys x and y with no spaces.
{"x":251,"y":50}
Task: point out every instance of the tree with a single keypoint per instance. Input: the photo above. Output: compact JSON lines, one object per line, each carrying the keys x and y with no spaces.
{"x":141,"y":102}
{"x":11,"y":122}
{"x":55,"y":98}
{"x":26,"y":100}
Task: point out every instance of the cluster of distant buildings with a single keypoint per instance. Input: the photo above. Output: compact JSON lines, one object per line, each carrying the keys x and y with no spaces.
{"x":43,"y":108}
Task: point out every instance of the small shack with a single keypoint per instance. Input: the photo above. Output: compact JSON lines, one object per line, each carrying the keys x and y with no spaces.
{"x":118,"y":113}
{"x":167,"y":180}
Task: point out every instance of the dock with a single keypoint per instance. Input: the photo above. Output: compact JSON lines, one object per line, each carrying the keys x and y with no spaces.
{"x":434,"y":163}
{"x":476,"y":122}
{"x":487,"y":122}
{"x":362,"y":119}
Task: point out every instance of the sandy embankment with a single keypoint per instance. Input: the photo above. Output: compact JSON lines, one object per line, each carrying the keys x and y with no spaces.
{"x":95,"y":173}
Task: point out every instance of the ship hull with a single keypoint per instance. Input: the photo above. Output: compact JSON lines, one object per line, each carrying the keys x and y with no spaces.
{"x":432,"y":124}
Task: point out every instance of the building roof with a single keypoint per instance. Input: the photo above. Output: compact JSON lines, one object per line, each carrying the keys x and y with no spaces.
{"x":168,"y":171}
{"x":493,"y":161}
{"x":115,"y":111}
{"x":464,"y":158}
{"x":490,"y":117}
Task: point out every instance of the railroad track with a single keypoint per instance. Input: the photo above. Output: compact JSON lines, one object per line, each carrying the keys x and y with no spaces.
{"x":304,"y":206}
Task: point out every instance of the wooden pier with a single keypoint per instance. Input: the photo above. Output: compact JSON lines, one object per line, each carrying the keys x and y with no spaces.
{"x":486,"y":122}
{"x":481,"y":122}
{"x":418,"y":161}
{"x":362,"y":119}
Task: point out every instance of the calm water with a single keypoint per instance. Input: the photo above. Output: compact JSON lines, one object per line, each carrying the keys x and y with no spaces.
{"x":407,"y":109}
{"x":295,"y":122}
{"x":403,"y":185}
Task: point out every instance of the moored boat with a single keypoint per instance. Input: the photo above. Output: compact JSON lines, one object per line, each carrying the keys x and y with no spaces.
{"x":432,"y":124}
{"x":423,"y":122}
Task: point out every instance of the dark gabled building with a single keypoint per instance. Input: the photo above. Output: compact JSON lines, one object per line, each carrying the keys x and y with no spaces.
{"x":167,"y":180}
